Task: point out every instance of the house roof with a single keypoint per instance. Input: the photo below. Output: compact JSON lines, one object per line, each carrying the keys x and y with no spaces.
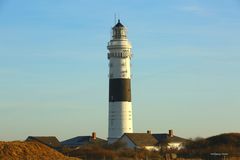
{"x":82,"y":140}
{"x":166,"y":138}
{"x":50,"y":141}
{"x":142,"y":139}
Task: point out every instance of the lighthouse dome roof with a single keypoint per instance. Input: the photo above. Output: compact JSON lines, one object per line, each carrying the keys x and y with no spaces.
{"x":119,"y":24}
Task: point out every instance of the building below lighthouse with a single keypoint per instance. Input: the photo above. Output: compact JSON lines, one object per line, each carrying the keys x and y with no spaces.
{"x":120,"y":103}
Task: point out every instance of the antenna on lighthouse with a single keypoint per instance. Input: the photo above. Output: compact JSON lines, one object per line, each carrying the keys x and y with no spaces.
{"x":115,"y":18}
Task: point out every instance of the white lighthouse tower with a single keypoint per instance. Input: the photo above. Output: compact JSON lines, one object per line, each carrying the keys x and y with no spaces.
{"x":120,"y":105}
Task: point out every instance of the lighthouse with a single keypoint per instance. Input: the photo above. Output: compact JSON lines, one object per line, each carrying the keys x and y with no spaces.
{"x":120,"y":103}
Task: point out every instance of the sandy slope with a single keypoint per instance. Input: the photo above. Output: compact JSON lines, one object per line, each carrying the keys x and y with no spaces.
{"x":18,"y":150}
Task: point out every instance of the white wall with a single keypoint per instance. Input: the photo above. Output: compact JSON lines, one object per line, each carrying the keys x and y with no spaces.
{"x":175,"y":145}
{"x":120,"y":119}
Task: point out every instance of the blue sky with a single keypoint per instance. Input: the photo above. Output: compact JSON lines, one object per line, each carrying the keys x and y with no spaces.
{"x":54,"y":67}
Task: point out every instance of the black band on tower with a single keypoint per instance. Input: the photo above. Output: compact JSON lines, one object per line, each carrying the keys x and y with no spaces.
{"x":119,"y":90}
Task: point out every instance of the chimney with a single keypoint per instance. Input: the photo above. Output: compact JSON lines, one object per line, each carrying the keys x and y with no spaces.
{"x":94,"y":135}
{"x":149,"y":132}
{"x":170,"y":133}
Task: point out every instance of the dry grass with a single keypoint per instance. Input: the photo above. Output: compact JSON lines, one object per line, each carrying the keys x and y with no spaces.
{"x":18,"y":150}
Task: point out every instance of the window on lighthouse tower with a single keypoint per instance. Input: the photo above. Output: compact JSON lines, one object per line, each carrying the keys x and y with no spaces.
{"x":119,"y":32}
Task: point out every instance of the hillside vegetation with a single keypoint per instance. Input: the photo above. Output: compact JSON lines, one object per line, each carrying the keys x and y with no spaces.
{"x":224,"y":143}
{"x":116,"y":151}
{"x":18,"y":150}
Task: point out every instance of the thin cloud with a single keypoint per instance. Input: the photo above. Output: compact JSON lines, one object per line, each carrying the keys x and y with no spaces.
{"x":7,"y":72}
{"x":194,"y":9}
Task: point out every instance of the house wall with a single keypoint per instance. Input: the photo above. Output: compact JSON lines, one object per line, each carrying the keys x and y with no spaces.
{"x":152,"y":148}
{"x":175,"y":145}
{"x":131,"y":145}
